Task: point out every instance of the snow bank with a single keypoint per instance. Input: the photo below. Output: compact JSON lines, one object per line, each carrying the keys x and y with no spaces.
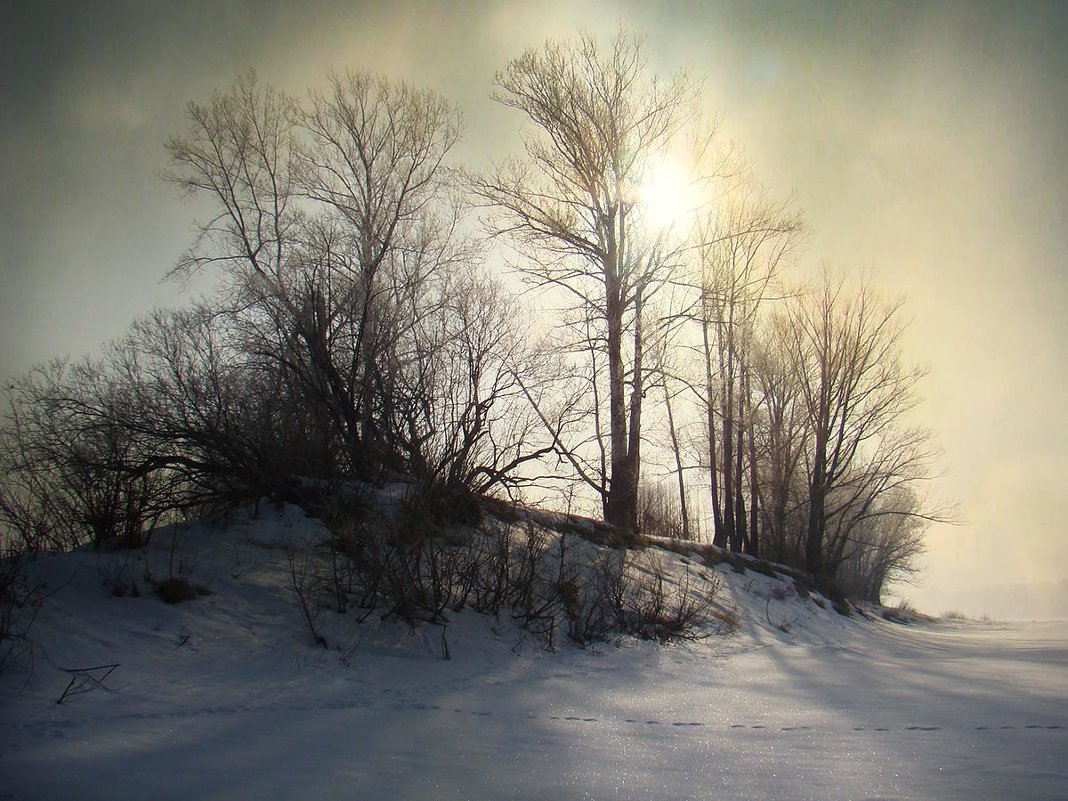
{"x":227,"y":696}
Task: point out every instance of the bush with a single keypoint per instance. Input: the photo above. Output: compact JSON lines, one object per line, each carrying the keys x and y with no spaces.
{"x":904,"y":613}
{"x":660,"y":512}
{"x":551,"y":583}
{"x":117,"y":579}
{"x":178,"y":589}
{"x":70,"y":471}
{"x":19,"y":605}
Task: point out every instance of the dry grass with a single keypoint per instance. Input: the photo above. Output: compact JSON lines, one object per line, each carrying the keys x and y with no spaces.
{"x":179,"y":589}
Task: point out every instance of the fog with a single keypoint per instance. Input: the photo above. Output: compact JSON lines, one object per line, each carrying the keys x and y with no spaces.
{"x":924,"y":141}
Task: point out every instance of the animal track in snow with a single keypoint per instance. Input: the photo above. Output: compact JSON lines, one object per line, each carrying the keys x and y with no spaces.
{"x":57,"y":729}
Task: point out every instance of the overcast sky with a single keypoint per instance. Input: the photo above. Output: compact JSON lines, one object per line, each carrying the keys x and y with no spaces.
{"x":929,"y":140}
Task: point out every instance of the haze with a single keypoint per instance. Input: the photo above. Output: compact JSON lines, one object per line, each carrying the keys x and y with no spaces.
{"x":926,"y":140}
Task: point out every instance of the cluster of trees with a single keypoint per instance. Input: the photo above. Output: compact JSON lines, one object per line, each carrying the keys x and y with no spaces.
{"x":358,"y":335}
{"x":792,"y":400}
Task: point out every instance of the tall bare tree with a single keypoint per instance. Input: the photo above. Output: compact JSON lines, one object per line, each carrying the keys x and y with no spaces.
{"x":781,"y":442}
{"x":351,"y":280}
{"x":743,"y":244}
{"x":573,"y":207}
{"x":374,"y":155}
{"x":329,"y":218}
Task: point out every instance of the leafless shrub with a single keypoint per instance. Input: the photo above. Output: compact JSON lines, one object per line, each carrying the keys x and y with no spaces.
{"x":785,"y":625}
{"x":593,"y":596}
{"x":66,"y":464}
{"x":115,"y":573}
{"x":411,"y":567}
{"x":729,"y":619}
{"x":904,"y":613}
{"x":177,"y":589}
{"x":660,"y":512}
{"x":303,"y":583}
{"x":658,"y":611}
{"x":20,"y":602}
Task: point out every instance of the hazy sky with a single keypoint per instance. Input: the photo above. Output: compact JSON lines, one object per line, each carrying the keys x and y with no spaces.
{"x":927,"y":139}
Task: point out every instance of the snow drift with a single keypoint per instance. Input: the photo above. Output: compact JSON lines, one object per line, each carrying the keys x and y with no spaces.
{"x":228,"y":694}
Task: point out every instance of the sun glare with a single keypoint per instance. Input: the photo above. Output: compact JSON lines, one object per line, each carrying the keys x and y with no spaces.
{"x":669,"y":195}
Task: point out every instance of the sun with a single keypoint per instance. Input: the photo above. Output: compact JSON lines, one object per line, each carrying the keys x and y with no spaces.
{"x":668,"y":196}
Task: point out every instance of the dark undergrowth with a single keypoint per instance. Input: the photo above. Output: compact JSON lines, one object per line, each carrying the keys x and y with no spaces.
{"x":558,"y":581}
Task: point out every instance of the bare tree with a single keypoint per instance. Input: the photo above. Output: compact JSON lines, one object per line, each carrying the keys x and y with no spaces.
{"x":661,"y":512}
{"x":781,"y":442}
{"x":456,"y":403}
{"x":326,"y":216}
{"x":375,"y":155}
{"x":743,"y":245}
{"x":67,"y":464}
{"x":844,"y":348}
{"x":352,"y":281}
{"x":301,"y":271}
{"x":573,"y":209}
{"x":213,"y":415}
{"x":884,"y":547}
{"x":241,"y":152}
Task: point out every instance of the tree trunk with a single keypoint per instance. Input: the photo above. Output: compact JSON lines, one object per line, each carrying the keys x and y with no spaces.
{"x":719,"y":533}
{"x":678,"y":465}
{"x":621,"y":510}
{"x":817,"y":516}
{"x":750,"y":425}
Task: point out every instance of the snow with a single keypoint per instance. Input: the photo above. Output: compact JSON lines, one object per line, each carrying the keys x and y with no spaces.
{"x":227,"y":696}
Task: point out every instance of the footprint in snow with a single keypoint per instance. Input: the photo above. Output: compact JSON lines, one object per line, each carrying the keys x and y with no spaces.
{"x":40,"y":731}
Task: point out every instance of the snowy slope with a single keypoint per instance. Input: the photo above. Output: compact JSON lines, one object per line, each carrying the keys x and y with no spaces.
{"x":228,"y":697}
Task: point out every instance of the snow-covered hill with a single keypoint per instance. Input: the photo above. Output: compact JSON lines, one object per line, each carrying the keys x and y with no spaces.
{"x":228,"y":696}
